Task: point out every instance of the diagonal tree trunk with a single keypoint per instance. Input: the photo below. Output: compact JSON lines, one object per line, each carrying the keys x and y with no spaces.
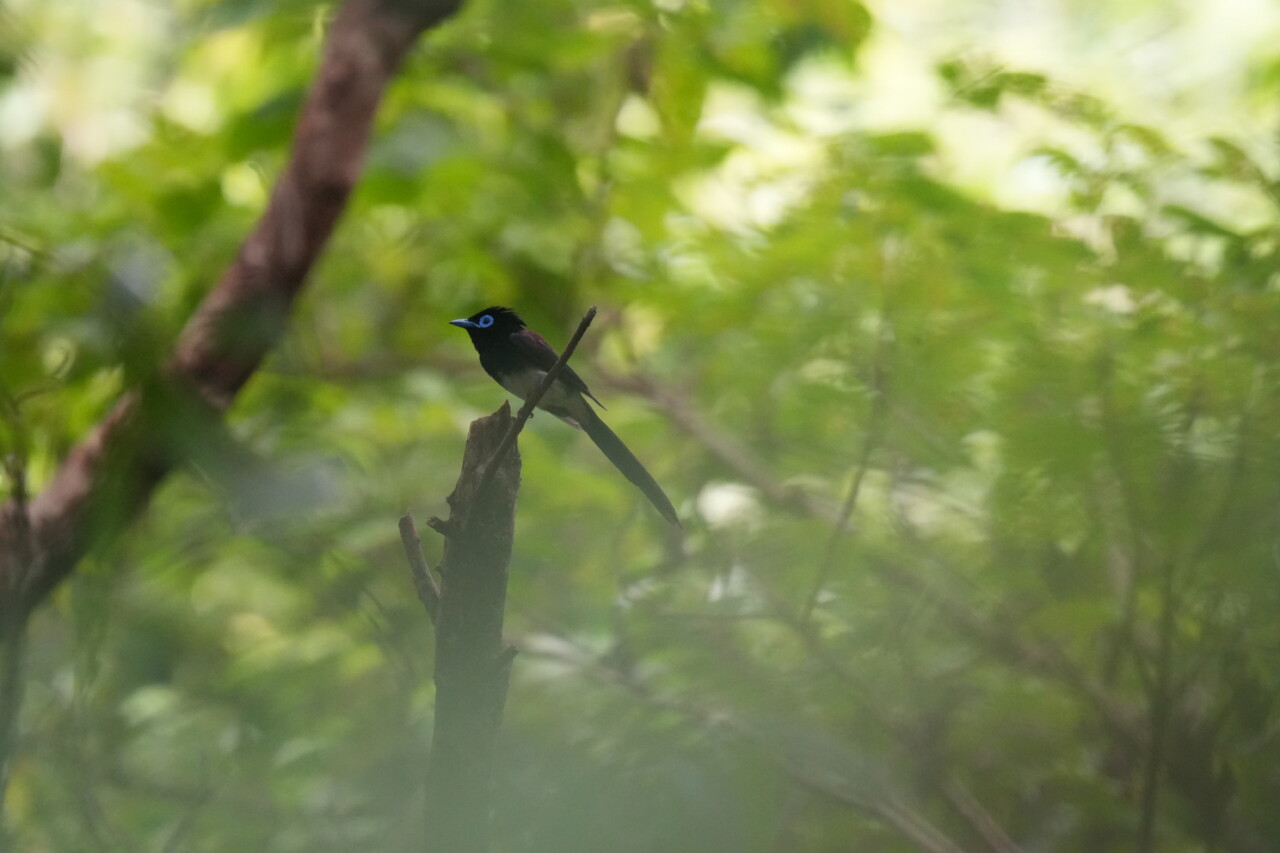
{"x":106,"y":480}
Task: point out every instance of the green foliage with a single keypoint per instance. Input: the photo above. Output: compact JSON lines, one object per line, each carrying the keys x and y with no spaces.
{"x":1060,"y":421}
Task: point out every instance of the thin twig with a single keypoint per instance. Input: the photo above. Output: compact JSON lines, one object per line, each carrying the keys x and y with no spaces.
{"x":738,"y":458}
{"x":1160,"y":712}
{"x":869,"y":440}
{"x":526,"y":411}
{"x":839,"y":529}
{"x":908,"y":823}
{"x":992,"y":833}
{"x":423,"y":580}
{"x":1028,"y":654}
{"x":179,"y":836}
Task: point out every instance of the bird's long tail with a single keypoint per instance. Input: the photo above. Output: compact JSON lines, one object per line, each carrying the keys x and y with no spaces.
{"x":625,"y":461}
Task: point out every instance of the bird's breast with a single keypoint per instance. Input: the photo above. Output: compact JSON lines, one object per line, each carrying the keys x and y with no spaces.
{"x":560,"y":400}
{"x":523,"y":383}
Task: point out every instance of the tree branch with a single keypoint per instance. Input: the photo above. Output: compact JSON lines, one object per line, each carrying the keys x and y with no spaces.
{"x":1004,"y":644}
{"x":737,"y":458}
{"x":423,"y":581}
{"x":836,"y":786}
{"x":982,"y":822}
{"x":1159,"y":712}
{"x":870,"y":437}
{"x":105,"y":481}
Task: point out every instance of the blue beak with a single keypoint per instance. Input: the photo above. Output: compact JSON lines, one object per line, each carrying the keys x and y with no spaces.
{"x":466,"y":324}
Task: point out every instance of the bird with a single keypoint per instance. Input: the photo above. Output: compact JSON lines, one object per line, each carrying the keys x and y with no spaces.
{"x":518,"y":358}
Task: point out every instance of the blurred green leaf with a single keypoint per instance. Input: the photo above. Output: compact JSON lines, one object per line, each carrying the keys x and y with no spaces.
{"x":1037,"y":335}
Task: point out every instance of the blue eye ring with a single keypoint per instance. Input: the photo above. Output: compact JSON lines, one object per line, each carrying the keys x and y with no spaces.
{"x":485,"y":322}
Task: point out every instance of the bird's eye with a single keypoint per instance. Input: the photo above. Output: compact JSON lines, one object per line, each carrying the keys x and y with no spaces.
{"x":485,"y":322}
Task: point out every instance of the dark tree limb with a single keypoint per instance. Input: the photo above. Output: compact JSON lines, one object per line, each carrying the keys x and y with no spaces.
{"x":116,"y":467}
{"x":105,"y":481}
{"x":13,"y":637}
{"x":423,"y":581}
{"x":473,"y":664}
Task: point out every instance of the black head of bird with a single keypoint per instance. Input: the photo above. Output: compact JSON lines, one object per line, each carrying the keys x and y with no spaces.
{"x":491,"y":323}
{"x":518,"y":358}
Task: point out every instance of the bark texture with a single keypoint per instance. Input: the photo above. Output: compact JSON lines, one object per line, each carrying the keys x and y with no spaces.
{"x":473,"y":664}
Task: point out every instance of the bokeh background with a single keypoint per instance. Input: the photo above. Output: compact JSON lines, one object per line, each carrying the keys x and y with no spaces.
{"x":952,"y":328}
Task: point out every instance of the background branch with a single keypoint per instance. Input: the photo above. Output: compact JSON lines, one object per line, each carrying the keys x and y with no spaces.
{"x":828,"y":778}
{"x":870,"y":437}
{"x":682,"y":412}
{"x":106,"y":480}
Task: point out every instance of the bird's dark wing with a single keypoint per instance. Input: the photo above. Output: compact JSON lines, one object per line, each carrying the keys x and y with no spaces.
{"x":541,"y":355}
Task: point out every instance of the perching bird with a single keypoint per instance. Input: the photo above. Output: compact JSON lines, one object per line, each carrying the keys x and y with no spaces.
{"x":517,"y":358}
